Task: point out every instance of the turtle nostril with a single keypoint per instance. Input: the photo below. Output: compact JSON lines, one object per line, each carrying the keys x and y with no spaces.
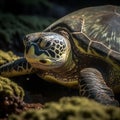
{"x":43,"y":61}
{"x":24,"y":38}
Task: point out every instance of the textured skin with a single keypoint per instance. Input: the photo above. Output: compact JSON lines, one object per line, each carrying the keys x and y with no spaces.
{"x":16,"y":68}
{"x":93,"y":85}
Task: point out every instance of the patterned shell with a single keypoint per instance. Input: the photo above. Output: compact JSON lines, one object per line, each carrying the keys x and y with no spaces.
{"x":96,"y":29}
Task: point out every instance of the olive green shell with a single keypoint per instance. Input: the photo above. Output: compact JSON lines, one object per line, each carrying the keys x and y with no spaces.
{"x":95,"y":30}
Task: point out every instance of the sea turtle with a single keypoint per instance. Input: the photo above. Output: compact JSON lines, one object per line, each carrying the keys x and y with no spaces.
{"x":80,"y":50}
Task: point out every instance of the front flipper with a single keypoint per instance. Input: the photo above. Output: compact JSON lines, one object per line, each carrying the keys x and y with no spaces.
{"x":16,"y":68}
{"x":92,"y":85}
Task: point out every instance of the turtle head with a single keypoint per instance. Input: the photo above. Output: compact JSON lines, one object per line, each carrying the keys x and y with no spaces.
{"x":46,"y":50}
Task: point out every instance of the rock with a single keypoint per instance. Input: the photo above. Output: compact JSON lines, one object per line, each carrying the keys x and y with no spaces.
{"x":11,"y":94}
{"x":11,"y":97}
{"x":7,"y":57}
{"x":71,"y":108}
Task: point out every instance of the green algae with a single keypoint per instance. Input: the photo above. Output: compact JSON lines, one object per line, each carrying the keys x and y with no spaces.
{"x":11,"y":97}
{"x":71,"y":108}
{"x":9,"y":88}
{"x":7,"y":57}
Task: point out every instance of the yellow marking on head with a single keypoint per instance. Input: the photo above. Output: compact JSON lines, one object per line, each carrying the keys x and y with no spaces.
{"x":31,"y":51}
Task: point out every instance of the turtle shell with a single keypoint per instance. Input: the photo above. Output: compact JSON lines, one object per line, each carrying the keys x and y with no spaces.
{"x":95,"y":31}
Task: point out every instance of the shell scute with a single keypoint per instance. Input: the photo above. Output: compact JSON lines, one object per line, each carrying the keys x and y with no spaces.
{"x":94,"y":29}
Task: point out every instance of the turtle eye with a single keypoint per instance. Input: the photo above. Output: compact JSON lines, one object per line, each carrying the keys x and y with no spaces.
{"x":45,"y":44}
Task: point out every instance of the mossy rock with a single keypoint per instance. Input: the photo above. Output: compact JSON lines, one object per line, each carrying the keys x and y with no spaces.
{"x":7,"y":57}
{"x":73,"y":108}
{"x":9,"y":88}
{"x":11,"y":97}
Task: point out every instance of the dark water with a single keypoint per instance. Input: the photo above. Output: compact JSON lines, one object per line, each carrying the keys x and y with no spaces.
{"x":38,"y":90}
{"x":41,"y":91}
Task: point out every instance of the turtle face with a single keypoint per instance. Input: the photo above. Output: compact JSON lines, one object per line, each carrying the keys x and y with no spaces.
{"x":46,"y":50}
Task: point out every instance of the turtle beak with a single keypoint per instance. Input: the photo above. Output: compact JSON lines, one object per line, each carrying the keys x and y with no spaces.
{"x":30,"y":48}
{"x":31,"y":44}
